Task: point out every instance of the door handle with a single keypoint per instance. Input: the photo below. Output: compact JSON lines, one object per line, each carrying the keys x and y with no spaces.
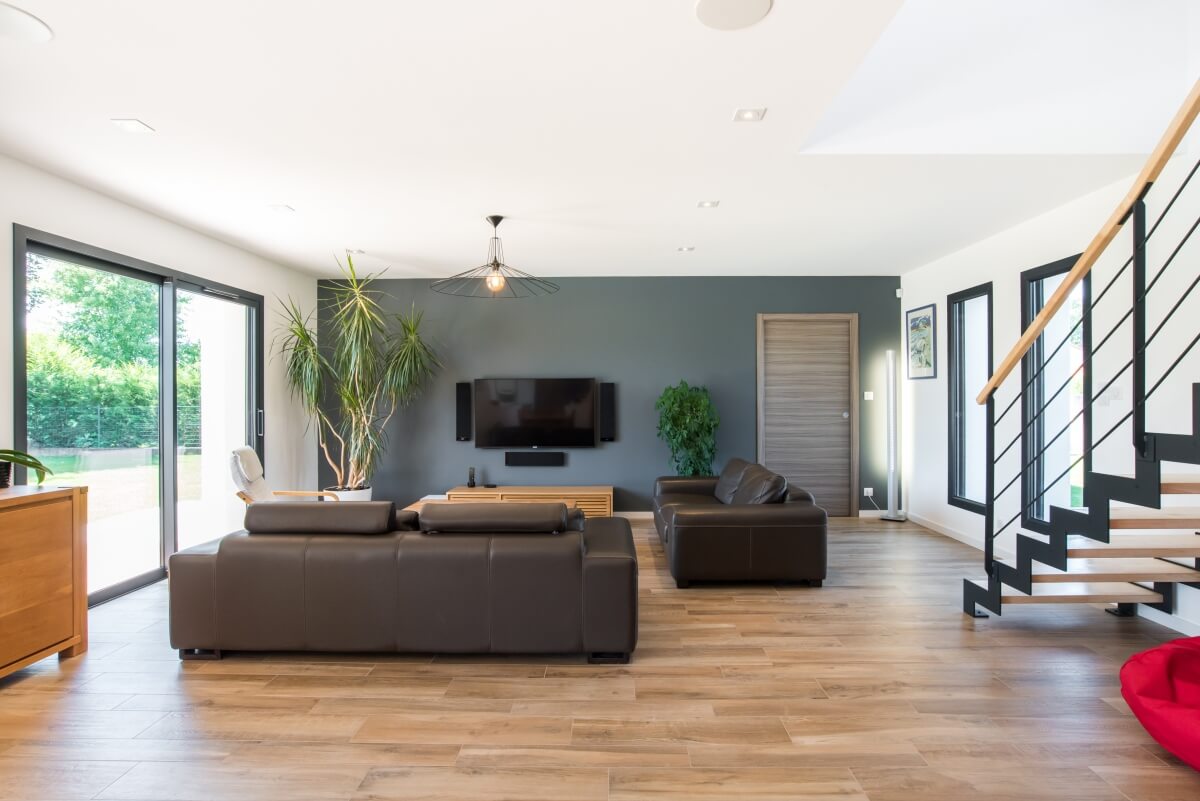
{"x":845,"y":415}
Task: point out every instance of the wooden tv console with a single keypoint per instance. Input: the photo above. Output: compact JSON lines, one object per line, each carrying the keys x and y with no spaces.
{"x":43,"y":574}
{"x":594,"y":501}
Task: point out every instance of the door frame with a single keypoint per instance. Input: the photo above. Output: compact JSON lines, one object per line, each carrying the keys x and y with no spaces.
{"x":27,"y":240}
{"x":760,"y":432}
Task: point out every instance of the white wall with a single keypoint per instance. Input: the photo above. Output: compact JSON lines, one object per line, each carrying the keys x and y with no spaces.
{"x":37,"y":199}
{"x":1000,"y":259}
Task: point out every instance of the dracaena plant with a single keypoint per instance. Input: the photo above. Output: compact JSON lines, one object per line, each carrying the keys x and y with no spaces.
{"x":687,"y":422}
{"x":370,"y":364}
{"x":25,"y":460}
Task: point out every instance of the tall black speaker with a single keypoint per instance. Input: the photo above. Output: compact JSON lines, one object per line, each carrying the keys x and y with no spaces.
{"x":462,"y":400}
{"x":608,"y":412}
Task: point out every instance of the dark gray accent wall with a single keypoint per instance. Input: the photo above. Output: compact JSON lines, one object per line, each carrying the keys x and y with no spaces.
{"x":640,"y":333}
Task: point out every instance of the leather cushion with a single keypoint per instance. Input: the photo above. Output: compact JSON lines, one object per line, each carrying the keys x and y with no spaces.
{"x":684,"y":499}
{"x":730,"y":479}
{"x":760,"y":485}
{"x":494,"y":518}
{"x":307,"y":517}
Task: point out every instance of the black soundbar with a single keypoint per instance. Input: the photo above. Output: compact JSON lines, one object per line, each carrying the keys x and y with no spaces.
{"x":535,"y":458}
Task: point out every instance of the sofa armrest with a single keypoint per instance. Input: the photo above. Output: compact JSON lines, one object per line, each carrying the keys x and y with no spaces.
{"x":610,"y":587}
{"x":750,"y":514}
{"x":689,"y":485}
{"x":191,"y":574}
{"x":797,"y":495}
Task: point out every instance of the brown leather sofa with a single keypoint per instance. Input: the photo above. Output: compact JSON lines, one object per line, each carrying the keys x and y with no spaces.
{"x":744,"y":525}
{"x":458,"y":578}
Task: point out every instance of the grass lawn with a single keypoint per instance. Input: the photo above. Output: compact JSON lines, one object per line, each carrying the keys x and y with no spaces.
{"x":124,"y":482}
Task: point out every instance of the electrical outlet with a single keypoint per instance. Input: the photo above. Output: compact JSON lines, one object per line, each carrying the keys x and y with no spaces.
{"x":869,"y":492}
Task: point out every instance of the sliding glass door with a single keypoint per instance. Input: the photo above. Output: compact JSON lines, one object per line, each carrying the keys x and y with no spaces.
{"x":213,"y":401}
{"x":92,"y":405}
{"x":137,"y":382}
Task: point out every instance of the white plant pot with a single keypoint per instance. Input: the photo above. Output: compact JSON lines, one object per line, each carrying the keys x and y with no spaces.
{"x":352,"y":495}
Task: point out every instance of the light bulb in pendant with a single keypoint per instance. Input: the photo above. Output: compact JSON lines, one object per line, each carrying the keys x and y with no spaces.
{"x":495,"y":281}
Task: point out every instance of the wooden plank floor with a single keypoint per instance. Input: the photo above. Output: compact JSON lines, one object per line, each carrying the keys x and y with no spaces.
{"x":872,"y":687}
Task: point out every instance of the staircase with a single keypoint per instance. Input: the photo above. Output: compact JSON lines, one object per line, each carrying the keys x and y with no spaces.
{"x":1091,"y":554}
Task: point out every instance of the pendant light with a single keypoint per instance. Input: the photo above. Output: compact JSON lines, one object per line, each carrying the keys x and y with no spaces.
{"x":494,"y":279}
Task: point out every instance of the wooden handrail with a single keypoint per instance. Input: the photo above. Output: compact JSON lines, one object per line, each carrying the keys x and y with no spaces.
{"x":1154,"y":166}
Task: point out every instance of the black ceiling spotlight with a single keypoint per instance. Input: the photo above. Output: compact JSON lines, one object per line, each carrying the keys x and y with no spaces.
{"x":494,"y":279}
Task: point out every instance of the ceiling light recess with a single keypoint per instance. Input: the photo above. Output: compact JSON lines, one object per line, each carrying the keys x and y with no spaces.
{"x":749,"y":115}
{"x":731,"y":15}
{"x":495,"y":279}
{"x":686,"y":248}
{"x":18,"y":24}
{"x":131,"y":125}
{"x":708,"y":204}
{"x":281,"y":208}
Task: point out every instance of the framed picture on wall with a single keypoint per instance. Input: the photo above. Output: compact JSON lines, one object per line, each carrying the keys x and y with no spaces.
{"x":921,"y":340}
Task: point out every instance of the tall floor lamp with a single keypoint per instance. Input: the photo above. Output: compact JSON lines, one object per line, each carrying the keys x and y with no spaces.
{"x":893,"y":443}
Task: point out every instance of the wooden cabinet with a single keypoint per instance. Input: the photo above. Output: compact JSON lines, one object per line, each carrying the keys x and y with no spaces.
{"x":595,"y":501}
{"x":43,"y":574}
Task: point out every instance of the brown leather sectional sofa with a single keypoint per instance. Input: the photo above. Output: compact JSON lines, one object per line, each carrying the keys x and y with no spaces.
{"x":458,"y":578}
{"x":744,"y":525}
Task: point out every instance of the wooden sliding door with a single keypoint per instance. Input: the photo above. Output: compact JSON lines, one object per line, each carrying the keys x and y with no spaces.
{"x":808,"y":404}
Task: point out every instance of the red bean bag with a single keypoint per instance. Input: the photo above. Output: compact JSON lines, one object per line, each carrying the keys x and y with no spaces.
{"x":1162,"y":687}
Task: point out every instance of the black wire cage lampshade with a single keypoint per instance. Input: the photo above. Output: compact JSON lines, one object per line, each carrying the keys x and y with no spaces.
{"x":494,"y":279}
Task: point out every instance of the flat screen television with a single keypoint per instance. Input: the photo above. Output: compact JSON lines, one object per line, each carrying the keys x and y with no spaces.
{"x":535,"y":412}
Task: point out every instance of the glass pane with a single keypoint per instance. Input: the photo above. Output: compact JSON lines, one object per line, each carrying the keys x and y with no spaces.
{"x":213,"y":402}
{"x":92,"y":366}
{"x":1062,"y":439}
{"x":971,"y":366}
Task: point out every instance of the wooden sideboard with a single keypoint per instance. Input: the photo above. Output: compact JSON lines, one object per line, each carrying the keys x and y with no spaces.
{"x":594,"y":501}
{"x":43,"y":574}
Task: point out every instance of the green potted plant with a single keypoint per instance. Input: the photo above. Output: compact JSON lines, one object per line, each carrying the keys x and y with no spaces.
{"x":687,"y":422}
{"x":9,"y":457}
{"x":369,"y":364}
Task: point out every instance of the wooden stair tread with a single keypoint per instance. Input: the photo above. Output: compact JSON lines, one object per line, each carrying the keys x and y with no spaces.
{"x":1080,"y":592}
{"x":1137,"y":517}
{"x":1118,"y":570}
{"x":1135,"y":545}
{"x":1181,"y":484}
{"x":1177,"y":483}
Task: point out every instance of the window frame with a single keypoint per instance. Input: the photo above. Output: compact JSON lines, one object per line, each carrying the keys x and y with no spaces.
{"x":1034,"y":434}
{"x":958,"y":395}
{"x":28,"y":240}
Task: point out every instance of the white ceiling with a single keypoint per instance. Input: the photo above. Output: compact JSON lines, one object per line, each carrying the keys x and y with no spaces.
{"x":394,"y":127}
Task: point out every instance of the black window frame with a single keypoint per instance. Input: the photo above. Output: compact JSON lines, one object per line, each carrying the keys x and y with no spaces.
{"x":958,"y":395}
{"x":1033,"y":434}
{"x":27,"y":240}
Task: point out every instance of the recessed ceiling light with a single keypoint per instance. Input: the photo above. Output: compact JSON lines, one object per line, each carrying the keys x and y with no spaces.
{"x":131,"y":125}
{"x":23,"y":26}
{"x":685,"y":249}
{"x":749,"y":114}
{"x":708,"y":204}
{"x":280,"y":208}
{"x":355,"y":251}
{"x":730,"y":15}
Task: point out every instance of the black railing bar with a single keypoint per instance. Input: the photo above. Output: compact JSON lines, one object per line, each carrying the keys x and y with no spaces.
{"x":1166,"y":209}
{"x":1098,"y":442}
{"x":1066,"y":384}
{"x":1066,"y":339}
{"x":1107,"y":287}
{"x":1066,"y":472}
{"x":1174,"y":308}
{"x":1062,"y":431}
{"x":1171,"y":369}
